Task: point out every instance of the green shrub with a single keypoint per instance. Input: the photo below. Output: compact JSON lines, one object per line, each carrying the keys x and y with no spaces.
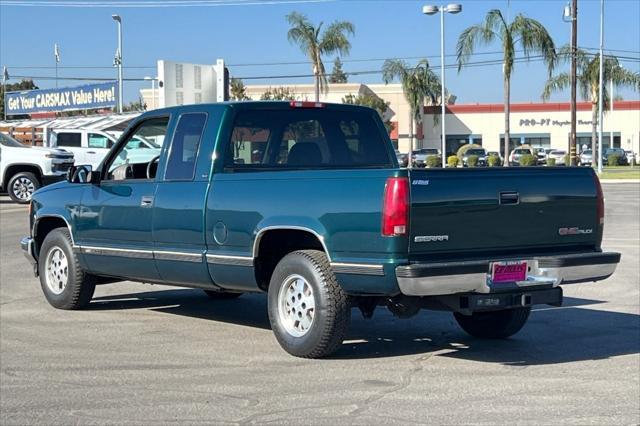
{"x":567,"y":160}
{"x":472,"y":160}
{"x":433,"y":161}
{"x":528,"y":160}
{"x":551,"y":162}
{"x":613,"y":159}
{"x":452,"y":161}
{"x":493,"y":161}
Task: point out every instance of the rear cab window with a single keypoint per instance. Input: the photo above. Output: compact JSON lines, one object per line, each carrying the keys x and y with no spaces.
{"x":69,"y":139}
{"x":303,"y":138}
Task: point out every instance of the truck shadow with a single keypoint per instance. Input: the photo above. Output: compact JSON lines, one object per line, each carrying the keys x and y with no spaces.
{"x":552,"y":335}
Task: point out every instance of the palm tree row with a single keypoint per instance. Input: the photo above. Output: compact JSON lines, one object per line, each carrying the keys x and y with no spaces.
{"x":421,"y":85}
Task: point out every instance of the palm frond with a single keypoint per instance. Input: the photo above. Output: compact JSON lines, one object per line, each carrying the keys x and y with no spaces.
{"x":534,"y":38}
{"x":556,"y":84}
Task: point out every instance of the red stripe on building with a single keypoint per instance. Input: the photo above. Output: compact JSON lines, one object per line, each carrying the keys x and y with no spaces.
{"x":527,"y":107}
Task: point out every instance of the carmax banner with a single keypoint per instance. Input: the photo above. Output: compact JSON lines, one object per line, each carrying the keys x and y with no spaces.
{"x":90,"y":96}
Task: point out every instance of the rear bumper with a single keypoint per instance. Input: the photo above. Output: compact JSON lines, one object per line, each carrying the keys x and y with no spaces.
{"x":432,"y":279}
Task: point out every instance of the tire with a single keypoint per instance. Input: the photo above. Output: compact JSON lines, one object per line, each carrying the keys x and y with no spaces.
{"x":315,"y":332}
{"x":494,"y":325}
{"x":21,"y":187}
{"x":221,"y":295}
{"x":64,"y":284}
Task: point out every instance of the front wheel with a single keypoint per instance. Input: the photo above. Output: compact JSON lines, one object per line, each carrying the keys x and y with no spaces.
{"x":64,"y":283}
{"x":22,"y":186}
{"x":308,"y":310}
{"x":495,"y":324}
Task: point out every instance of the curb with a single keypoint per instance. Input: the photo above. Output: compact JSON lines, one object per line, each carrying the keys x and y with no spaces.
{"x":619,"y":181}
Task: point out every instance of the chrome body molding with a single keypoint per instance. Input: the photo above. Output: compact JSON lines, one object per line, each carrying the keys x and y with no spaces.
{"x":181,"y":256}
{"x":475,"y":277}
{"x":357,"y":268}
{"x":256,"y":241}
{"x":220,"y":259}
{"x":120,"y":252}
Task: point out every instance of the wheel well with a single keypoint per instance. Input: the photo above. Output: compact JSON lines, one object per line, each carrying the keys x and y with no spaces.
{"x":13,"y":169}
{"x":44,"y":226}
{"x":276,"y":244}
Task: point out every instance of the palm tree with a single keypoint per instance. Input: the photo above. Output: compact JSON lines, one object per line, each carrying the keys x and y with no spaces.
{"x":419,"y":84}
{"x":315,"y":43}
{"x":588,"y":81}
{"x":529,"y":34}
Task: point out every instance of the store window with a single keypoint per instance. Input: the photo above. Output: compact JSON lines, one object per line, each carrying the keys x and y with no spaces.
{"x":538,"y":141}
{"x":454,"y":142}
{"x":514,"y":142}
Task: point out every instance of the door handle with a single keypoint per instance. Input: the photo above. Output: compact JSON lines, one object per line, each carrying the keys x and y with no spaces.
{"x":510,"y":197}
{"x":91,"y":152}
{"x":146,"y":201}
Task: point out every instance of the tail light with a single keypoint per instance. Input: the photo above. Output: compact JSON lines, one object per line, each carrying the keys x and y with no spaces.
{"x":599,"y":200}
{"x":395,"y":208}
{"x":305,"y":104}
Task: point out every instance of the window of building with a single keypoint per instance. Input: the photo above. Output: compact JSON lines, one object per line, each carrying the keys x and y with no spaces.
{"x":300,"y":138}
{"x":179,"y":76}
{"x":197,"y":98}
{"x":538,"y":141}
{"x":69,"y":139}
{"x":455,"y":142}
{"x":197,"y":77}
{"x":179,"y":98}
{"x":513,"y":144}
{"x":185,"y":146}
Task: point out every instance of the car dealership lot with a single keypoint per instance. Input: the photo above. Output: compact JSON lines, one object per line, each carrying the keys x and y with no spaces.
{"x":150,"y":354}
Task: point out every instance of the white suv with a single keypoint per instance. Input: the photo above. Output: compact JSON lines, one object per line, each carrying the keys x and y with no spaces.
{"x":23,"y":169}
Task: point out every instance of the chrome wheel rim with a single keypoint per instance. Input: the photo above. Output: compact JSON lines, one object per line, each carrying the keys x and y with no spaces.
{"x":57,"y":270}
{"x":23,"y":188}
{"x":296,"y":305}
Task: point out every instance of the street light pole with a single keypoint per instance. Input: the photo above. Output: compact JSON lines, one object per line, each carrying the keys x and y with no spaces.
{"x":571,"y":15}
{"x":118,"y":60}
{"x":430,"y":10}
{"x":153,"y":91}
{"x":600,"y":88}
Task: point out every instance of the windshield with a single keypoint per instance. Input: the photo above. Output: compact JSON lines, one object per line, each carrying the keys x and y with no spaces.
{"x":7,"y":140}
{"x":587,"y":152}
{"x":558,"y":152}
{"x":475,"y":152}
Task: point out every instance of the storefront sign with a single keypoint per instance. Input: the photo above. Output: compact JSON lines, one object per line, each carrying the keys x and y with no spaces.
{"x":550,"y":122}
{"x":90,"y":96}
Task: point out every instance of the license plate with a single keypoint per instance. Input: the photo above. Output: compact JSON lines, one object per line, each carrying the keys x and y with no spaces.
{"x":504,"y":272}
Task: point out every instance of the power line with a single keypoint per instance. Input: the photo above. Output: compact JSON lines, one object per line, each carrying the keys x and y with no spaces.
{"x":153,"y":3}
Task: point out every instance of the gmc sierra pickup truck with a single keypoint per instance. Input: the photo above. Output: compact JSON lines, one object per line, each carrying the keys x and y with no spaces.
{"x":306,"y":202}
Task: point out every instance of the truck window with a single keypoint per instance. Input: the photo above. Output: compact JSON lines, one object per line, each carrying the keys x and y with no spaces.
{"x":184,"y":147}
{"x":97,"y":140}
{"x":69,"y":139}
{"x":306,"y":138}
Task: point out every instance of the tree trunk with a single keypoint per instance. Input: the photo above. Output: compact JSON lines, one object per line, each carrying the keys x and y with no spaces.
{"x":317,"y":78}
{"x":596,"y":154}
{"x":507,"y":113}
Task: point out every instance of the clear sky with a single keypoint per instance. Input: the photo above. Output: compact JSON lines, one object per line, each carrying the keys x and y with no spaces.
{"x":257,"y":34}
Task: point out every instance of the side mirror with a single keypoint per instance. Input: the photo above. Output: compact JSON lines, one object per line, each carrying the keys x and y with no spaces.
{"x":82,"y":174}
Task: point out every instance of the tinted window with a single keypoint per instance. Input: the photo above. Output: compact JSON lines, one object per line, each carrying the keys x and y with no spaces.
{"x":475,"y":152}
{"x":9,"y":141}
{"x":184,"y":147}
{"x":69,"y":139}
{"x":306,"y":138}
{"x":99,"y":141}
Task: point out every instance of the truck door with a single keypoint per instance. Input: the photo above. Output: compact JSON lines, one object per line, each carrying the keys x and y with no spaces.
{"x":114,"y":225}
{"x":183,"y":182}
{"x":72,"y":142}
{"x":98,"y":145}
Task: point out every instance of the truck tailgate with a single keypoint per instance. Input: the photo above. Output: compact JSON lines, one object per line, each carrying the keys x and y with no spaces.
{"x":503,"y":211}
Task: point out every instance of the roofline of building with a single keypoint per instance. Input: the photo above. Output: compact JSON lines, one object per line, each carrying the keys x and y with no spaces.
{"x":528,"y":107}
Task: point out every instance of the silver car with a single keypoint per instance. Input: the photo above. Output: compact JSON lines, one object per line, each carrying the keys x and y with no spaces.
{"x":557,"y":155}
{"x":586,"y":157}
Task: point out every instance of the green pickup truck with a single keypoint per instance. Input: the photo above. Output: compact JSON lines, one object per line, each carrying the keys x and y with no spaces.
{"x":306,"y":202}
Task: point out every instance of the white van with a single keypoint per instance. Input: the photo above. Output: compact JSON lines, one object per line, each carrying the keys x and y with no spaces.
{"x":91,"y":146}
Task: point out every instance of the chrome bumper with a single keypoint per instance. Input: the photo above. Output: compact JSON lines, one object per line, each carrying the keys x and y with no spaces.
{"x":433,"y":279}
{"x":28,"y":248}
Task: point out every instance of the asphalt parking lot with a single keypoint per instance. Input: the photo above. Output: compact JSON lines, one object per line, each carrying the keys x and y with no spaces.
{"x":145,"y":354}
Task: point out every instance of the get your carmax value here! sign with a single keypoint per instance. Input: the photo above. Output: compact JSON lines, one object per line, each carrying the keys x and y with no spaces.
{"x":89,"y":96}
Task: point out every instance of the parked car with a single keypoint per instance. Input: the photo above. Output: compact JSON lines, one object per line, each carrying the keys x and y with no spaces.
{"x":419,"y":157}
{"x":541,"y":155}
{"x":403,"y":159}
{"x":558,"y":155}
{"x":91,"y":146}
{"x":321,"y":224}
{"x":24,"y":169}
{"x":622,"y":156}
{"x":516,"y":154}
{"x":478,"y":152}
{"x":586,"y":158}
{"x":631,"y":157}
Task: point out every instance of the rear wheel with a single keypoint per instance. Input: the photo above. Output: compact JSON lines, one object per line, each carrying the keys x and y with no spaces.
{"x":493,"y":325}
{"x":308,"y":310}
{"x":63,"y":282}
{"x":222,"y":294}
{"x":22,"y":186}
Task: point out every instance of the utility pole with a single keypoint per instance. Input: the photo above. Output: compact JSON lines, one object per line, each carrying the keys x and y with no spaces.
{"x":118,"y":60}
{"x":600,"y":87}
{"x":574,"y":44}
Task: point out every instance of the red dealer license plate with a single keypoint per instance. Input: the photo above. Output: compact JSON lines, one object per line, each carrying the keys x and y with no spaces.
{"x":503,"y":272}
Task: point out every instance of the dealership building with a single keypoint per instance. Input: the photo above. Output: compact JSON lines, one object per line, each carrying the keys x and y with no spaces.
{"x":538,"y":124}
